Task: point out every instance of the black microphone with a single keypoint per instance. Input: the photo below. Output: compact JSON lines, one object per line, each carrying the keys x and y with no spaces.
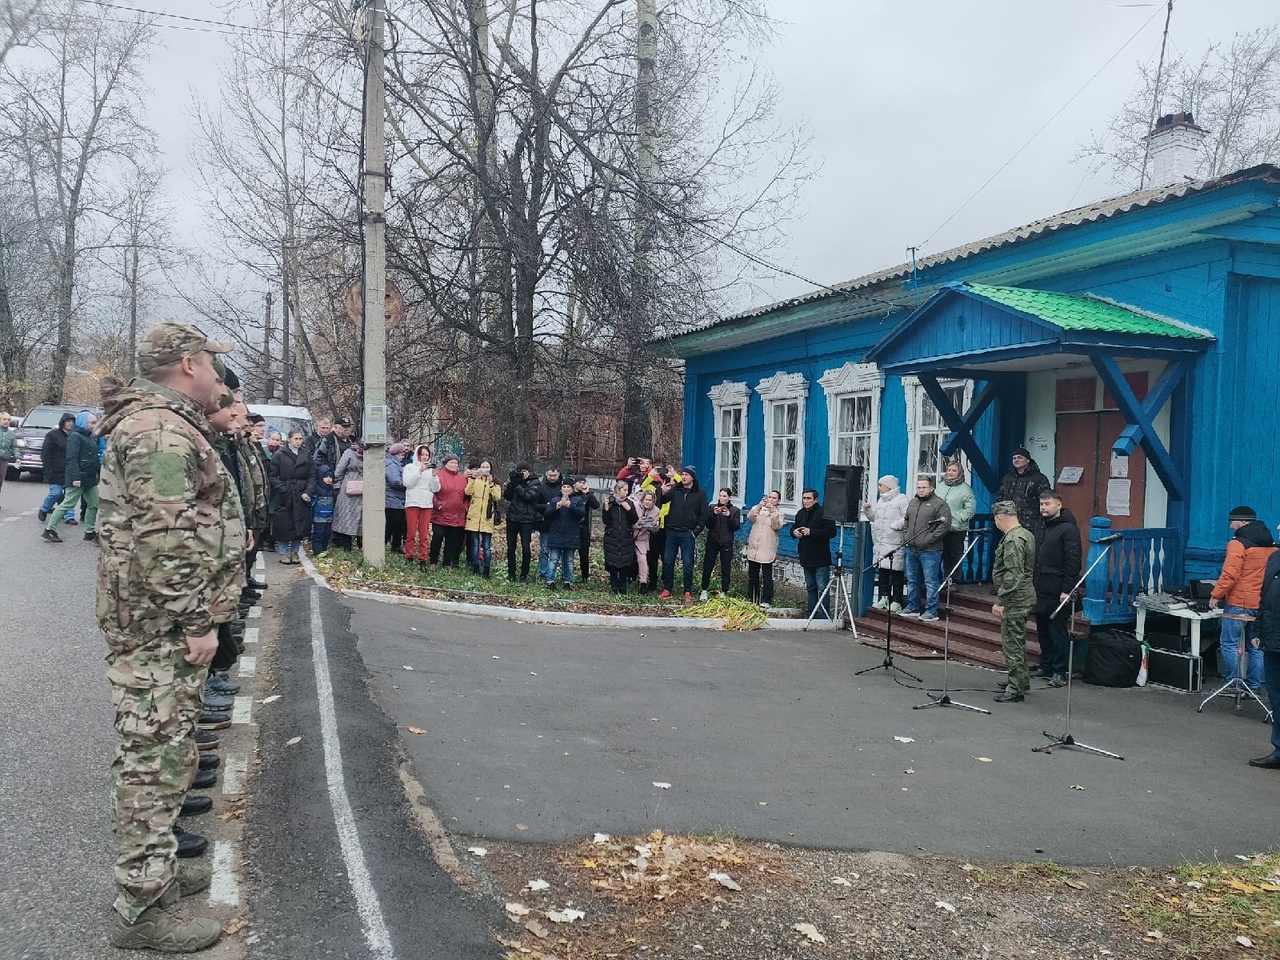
{"x":937,"y":520}
{"x":1109,"y":539}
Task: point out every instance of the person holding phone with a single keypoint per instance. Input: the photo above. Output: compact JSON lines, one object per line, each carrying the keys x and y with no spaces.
{"x":762,"y":548}
{"x":723,"y":522}
{"x":420,"y":486}
{"x":484,"y":493}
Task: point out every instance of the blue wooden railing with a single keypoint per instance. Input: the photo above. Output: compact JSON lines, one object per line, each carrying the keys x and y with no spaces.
{"x":1143,"y":560}
{"x":977,"y":566}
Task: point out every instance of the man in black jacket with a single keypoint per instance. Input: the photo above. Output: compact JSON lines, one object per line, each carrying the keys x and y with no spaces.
{"x":522,"y":494}
{"x":548,"y":491}
{"x":1268,"y":639}
{"x":1023,"y":484}
{"x":589,"y":502}
{"x":53,"y":461}
{"x":1058,"y":556}
{"x":80,"y":476}
{"x":686,"y":517}
{"x":814,"y":530}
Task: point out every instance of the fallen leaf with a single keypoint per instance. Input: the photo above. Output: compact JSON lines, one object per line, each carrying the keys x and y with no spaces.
{"x":661,"y":786}
{"x":271,"y":699}
{"x":418,"y":730}
{"x":943,"y":905}
{"x":478,"y":851}
{"x":292,"y":741}
{"x":517,"y":909}
{"x":905,"y":739}
{"x":724,"y":880}
{"x":983,"y":759}
{"x":810,"y":931}
{"x":841,"y":881}
{"x":1077,"y":885}
{"x":567,"y":915}
{"x":538,"y":885}
{"x":1154,"y":935}
{"x":235,"y":926}
{"x":589,"y":864}
{"x":537,"y":929}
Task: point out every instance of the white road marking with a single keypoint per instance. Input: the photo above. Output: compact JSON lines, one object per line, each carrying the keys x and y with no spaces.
{"x":250,"y":634}
{"x":242,"y":712}
{"x":259,"y":564}
{"x":366,"y":897}
{"x":313,"y":573}
{"x":225,"y":888}
{"x":255,"y":613}
{"x":233,"y":771}
{"x":248,"y":667}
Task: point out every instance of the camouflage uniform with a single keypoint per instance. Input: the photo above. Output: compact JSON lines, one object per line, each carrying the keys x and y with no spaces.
{"x":172,"y":537}
{"x":1014,"y":564}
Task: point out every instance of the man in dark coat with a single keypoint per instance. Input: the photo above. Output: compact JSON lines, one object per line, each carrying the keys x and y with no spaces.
{"x":815,"y":531}
{"x":686,"y":518}
{"x":524,"y":512}
{"x":1268,"y":639}
{"x":1058,"y":556}
{"x":80,"y":476}
{"x":548,"y":491}
{"x":1022,"y":486}
{"x":589,"y":502}
{"x":53,"y":460}
{"x":928,"y":521}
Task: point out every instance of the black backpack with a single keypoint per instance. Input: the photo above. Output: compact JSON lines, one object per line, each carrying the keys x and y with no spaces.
{"x":1114,"y":659}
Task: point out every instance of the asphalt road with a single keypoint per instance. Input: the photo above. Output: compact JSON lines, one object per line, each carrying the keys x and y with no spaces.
{"x":539,"y":733}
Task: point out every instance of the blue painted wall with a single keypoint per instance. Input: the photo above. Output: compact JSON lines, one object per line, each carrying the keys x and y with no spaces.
{"x":1228,"y":284}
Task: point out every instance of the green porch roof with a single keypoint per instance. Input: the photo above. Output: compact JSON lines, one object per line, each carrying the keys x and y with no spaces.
{"x":1069,"y":312}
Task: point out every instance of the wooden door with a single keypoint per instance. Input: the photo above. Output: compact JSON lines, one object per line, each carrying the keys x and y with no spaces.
{"x":1084,"y":440}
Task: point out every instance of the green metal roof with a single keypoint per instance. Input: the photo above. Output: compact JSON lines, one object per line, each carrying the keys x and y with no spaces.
{"x":1069,"y":312}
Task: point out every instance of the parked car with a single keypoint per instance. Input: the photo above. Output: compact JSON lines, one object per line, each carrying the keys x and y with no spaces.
{"x":37,"y":422}
{"x":284,"y":418}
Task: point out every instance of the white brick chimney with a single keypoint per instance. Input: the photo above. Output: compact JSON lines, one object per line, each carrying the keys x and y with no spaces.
{"x":1174,"y":147}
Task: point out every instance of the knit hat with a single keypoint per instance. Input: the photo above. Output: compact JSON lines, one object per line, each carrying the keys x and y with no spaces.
{"x":521,"y":466}
{"x":1005,"y":508}
{"x":1022,"y":452}
{"x":889,"y":480}
{"x":397,"y":449}
{"x":448,"y":457}
{"x":1242,"y":513}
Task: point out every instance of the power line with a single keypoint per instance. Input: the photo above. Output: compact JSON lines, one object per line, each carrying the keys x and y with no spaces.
{"x":229,"y":27}
{"x":1042,"y":129}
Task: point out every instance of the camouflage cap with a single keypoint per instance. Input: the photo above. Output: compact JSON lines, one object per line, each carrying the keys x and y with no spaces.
{"x":167,"y":343}
{"x":1006,"y":508}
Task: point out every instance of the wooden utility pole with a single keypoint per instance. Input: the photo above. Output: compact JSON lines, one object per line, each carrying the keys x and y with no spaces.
{"x":268,"y":381}
{"x":374,"y":420}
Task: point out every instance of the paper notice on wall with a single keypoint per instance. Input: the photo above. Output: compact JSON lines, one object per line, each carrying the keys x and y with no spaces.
{"x":1070,"y":475}
{"x":1119,"y":466}
{"x":1117,"y":497}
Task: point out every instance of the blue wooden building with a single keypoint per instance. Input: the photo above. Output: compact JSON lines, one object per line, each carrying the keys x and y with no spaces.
{"x":1133,"y":346}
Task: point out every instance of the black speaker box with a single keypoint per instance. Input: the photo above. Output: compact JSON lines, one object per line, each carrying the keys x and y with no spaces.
{"x":842,"y":492}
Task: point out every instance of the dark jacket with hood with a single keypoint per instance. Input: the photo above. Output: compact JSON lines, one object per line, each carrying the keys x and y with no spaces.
{"x":1024,"y":489}
{"x":53,"y":455}
{"x":548,"y":491}
{"x":722,"y":526}
{"x":619,"y":533}
{"x":523,"y":496}
{"x":292,"y":475}
{"x":562,"y":522}
{"x":689,"y":508}
{"x":1240,"y":584}
{"x":1058,"y":556}
{"x":82,"y":455}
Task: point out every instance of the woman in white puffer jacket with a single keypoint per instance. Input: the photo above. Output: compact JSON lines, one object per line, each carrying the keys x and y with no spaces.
{"x":888,"y":516}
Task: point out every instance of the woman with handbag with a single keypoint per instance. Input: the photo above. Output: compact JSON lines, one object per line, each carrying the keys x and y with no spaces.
{"x":348,"y":505}
{"x":484,"y":494}
{"x":292,"y":485}
{"x":648,"y":522}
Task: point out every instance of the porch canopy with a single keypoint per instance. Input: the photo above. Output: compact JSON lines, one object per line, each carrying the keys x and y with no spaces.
{"x":989,"y":333}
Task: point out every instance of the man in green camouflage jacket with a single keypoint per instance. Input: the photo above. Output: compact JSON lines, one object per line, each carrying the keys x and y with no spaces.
{"x":1012,"y":571}
{"x":172,"y":542}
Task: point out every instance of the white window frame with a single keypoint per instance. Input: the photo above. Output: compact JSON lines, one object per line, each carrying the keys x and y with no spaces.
{"x":784,"y":388}
{"x":728,"y":396}
{"x":848,"y":382}
{"x":915,"y":395}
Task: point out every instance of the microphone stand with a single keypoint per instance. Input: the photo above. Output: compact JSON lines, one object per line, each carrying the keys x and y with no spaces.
{"x":1067,"y":740}
{"x":888,"y":663}
{"x":944,"y":699}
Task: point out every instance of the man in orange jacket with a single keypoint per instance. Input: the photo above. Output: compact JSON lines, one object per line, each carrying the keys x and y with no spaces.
{"x":1239,"y":591}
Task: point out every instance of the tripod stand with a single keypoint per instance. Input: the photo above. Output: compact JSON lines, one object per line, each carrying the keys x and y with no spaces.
{"x":1067,"y":740}
{"x":1237,"y":685}
{"x":888,"y":663}
{"x":944,"y":699}
{"x":835,"y":591}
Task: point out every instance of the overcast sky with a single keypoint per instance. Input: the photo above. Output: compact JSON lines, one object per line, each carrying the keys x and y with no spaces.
{"x":913,"y":105}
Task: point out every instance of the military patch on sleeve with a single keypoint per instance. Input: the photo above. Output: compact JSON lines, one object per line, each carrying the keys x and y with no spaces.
{"x":169,"y":475}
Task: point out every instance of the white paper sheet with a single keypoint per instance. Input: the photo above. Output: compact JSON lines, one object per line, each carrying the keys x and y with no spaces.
{"x":1118,"y":497}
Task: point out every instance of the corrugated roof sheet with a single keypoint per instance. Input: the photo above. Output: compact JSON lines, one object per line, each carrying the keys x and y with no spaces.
{"x":1069,"y":312}
{"x":1091,"y":213}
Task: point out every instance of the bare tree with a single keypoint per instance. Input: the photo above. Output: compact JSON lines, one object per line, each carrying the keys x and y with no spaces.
{"x":70,"y":120}
{"x":1233,"y":92}
{"x":17,"y":23}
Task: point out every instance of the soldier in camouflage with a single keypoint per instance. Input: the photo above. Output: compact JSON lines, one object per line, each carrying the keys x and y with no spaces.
{"x":172,"y":541}
{"x":1012,"y":571}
